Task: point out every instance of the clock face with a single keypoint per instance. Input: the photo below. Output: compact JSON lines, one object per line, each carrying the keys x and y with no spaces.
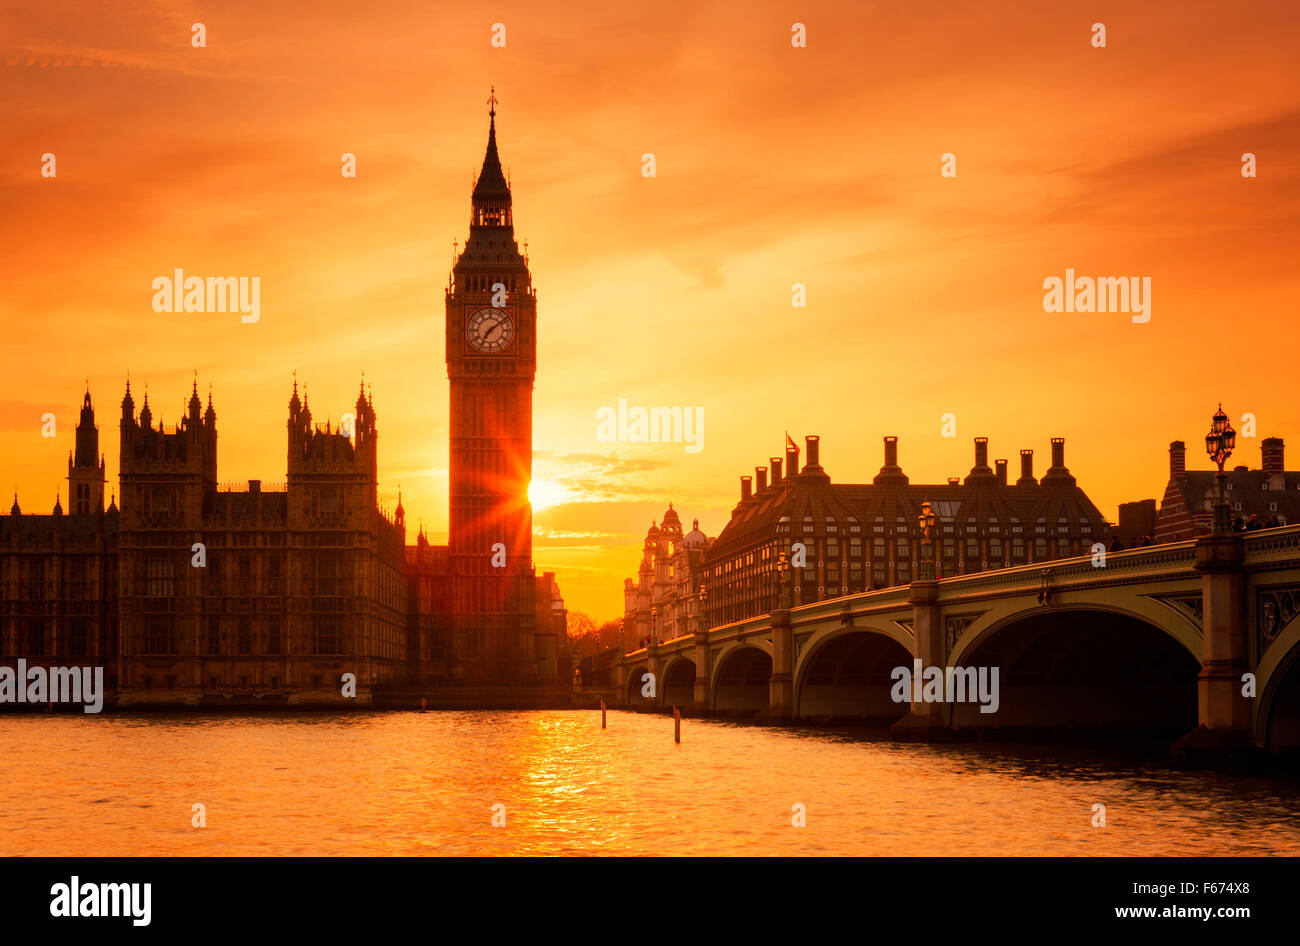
{"x":490,"y":330}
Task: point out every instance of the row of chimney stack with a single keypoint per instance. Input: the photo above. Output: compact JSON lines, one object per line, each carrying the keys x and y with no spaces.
{"x":1272,"y":457}
{"x":999,"y":472}
{"x":791,"y":464}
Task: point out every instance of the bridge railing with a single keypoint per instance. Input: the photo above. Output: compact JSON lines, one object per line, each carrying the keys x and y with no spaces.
{"x":1157,"y":559}
{"x":1265,"y":546}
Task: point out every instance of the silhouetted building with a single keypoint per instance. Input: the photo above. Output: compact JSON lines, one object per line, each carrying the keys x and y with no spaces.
{"x":663,"y":601}
{"x":1137,"y":522}
{"x":1269,"y":494}
{"x":261,"y":593}
{"x":861,"y":537}
{"x":196,"y":594}
{"x":59,"y":573}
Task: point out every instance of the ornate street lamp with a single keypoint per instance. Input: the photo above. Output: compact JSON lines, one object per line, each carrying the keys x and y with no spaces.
{"x":704,"y":605}
{"x":654,"y":625}
{"x":782,"y":569}
{"x":1219,"y":443}
{"x":925,"y":519}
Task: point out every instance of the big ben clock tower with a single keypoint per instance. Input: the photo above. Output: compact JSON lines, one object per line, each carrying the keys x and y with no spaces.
{"x":491,"y":364}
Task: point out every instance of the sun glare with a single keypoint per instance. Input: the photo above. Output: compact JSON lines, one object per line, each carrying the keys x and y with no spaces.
{"x":544,"y":494}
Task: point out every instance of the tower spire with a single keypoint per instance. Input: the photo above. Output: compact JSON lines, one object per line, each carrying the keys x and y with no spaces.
{"x":491,"y":190}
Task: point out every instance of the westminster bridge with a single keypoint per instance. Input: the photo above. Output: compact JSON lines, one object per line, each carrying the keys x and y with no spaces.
{"x":1197,"y":637}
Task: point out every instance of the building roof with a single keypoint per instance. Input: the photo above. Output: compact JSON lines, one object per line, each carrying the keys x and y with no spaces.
{"x":894,"y":501}
{"x":1198,"y":489}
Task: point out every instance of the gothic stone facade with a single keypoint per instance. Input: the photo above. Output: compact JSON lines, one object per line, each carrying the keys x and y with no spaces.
{"x":194,"y":594}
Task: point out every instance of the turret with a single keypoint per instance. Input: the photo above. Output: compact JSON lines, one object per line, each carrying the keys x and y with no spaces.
{"x":86,"y":467}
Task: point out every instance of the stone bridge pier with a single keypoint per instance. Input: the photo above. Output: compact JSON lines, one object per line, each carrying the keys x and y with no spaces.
{"x":781,"y":688}
{"x":925,"y":721}
{"x":1224,"y":732}
{"x":703,"y":670}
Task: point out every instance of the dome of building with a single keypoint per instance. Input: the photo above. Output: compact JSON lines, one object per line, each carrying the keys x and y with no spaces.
{"x":671,"y":521}
{"x":695,"y":539}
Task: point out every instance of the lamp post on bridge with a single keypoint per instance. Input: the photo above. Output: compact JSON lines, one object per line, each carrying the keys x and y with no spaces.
{"x":782,"y":569}
{"x":925,"y":519}
{"x":1219,"y":443}
{"x":781,"y":686}
{"x":1225,"y":734}
{"x":703,"y":669}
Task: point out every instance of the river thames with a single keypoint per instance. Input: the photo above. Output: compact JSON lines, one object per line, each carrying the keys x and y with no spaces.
{"x":427,"y":784}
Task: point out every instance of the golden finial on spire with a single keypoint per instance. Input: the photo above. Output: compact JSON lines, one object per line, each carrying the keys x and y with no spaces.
{"x":492,"y":102}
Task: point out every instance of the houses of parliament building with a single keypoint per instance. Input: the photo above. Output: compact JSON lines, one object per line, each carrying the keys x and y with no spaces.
{"x":191,"y":594}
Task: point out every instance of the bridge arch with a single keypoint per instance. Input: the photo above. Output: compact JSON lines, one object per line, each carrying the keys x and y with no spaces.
{"x":632,"y":689}
{"x":1082,"y":667}
{"x":742,"y":678}
{"x":844,"y":673}
{"x":677,"y":688}
{"x":1277,"y":722}
{"x":1136,"y":606}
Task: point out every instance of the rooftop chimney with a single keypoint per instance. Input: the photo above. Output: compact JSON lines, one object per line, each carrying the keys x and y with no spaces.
{"x":760,"y":474}
{"x":1057,"y":474}
{"x":1272,"y":448}
{"x":254,"y":486}
{"x":1001,"y":466}
{"x":745,"y":491}
{"x":981,"y":470}
{"x":1177,"y":459}
{"x":776,"y":469}
{"x":954,"y":481}
{"x":812,"y":466}
{"x":891,"y":472}
{"x":791,"y":458}
{"x":1026,"y":469}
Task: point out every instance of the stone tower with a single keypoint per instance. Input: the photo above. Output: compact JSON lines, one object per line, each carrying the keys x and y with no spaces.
{"x":86,"y":467}
{"x":491,"y":319}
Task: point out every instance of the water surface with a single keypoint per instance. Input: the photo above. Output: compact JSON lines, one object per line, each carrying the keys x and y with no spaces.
{"x":426,"y":783}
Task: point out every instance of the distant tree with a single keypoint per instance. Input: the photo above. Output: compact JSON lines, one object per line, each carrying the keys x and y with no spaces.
{"x":610,"y":634}
{"x":582,"y":634}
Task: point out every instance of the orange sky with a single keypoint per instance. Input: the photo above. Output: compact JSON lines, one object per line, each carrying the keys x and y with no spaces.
{"x":776,"y":165}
